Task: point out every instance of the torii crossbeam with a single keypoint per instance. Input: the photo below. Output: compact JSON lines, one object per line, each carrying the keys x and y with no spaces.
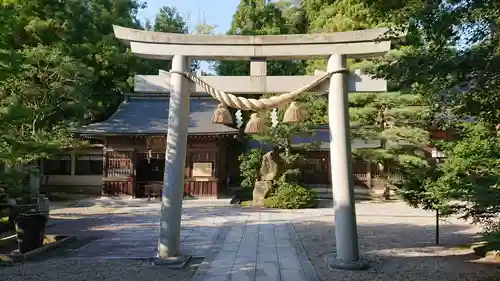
{"x":182,"y":48}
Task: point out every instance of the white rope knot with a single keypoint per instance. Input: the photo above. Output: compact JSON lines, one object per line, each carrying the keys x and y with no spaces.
{"x":254,"y":104}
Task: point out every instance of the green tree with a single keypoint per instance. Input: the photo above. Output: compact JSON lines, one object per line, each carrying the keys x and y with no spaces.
{"x":466,"y":183}
{"x":40,"y":101}
{"x":70,"y":32}
{"x":254,"y":17}
{"x":78,"y":33}
{"x":250,"y":162}
{"x":454,"y":66}
{"x":338,"y":16}
{"x":60,"y":65}
{"x":82,"y":30}
{"x":282,"y":134}
{"x":169,"y":20}
{"x":203,"y":27}
{"x":459,"y":51}
{"x":397,"y":121}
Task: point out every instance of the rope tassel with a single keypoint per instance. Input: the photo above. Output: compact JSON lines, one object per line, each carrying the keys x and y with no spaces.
{"x":255,"y":125}
{"x":294,"y":114}
{"x":222,"y":115}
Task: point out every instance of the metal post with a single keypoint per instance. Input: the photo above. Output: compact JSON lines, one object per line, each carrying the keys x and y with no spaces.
{"x":175,"y":158}
{"x":346,"y":235}
{"x":436,"y":156}
{"x":437,"y":227}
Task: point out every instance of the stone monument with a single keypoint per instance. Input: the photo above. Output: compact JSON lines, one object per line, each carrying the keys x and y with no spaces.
{"x":270,"y":170}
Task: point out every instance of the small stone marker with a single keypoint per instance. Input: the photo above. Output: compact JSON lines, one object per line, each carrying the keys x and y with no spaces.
{"x":260,"y":191}
{"x":271,"y":169}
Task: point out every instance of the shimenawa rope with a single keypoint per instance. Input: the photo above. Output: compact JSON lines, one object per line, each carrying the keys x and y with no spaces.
{"x":254,"y":104}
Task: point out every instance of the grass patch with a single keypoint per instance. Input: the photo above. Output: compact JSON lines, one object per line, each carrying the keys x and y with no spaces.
{"x":462,"y":247}
{"x":246,"y":203}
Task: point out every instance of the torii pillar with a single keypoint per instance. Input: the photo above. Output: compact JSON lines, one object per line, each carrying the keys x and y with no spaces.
{"x":334,"y":46}
{"x":175,"y":161}
{"x":346,"y":233}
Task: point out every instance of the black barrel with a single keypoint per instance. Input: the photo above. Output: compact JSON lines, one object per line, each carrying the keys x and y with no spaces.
{"x":30,"y":230}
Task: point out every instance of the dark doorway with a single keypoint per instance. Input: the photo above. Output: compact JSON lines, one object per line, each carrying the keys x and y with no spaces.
{"x":148,"y":172}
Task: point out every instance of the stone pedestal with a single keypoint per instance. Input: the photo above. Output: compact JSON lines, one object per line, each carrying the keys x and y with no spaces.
{"x":260,"y":191}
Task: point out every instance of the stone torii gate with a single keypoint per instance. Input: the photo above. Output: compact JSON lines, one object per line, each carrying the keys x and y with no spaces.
{"x":182,"y":48}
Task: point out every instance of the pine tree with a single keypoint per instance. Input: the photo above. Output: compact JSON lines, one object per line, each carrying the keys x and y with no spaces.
{"x":396,"y":120}
{"x":393,"y":119}
{"x":282,"y":134}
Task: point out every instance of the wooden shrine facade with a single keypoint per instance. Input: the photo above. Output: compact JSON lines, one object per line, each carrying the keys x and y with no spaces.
{"x":316,"y":169}
{"x":135,"y":144}
{"x":130,"y":165}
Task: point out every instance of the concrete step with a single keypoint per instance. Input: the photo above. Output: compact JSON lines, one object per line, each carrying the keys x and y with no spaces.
{"x":323,"y":203}
{"x":325,"y":196}
{"x":326,"y":193}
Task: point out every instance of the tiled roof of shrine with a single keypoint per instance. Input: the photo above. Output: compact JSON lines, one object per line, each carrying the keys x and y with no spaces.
{"x":321,"y":137}
{"x":149,"y":116}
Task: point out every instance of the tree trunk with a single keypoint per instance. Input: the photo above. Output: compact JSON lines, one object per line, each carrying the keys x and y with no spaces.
{"x":383,"y":167}
{"x":383,"y":177}
{"x":387,"y":191}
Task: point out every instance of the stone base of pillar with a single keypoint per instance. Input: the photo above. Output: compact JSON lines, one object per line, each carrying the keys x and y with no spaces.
{"x":335,"y":263}
{"x":174,"y":262}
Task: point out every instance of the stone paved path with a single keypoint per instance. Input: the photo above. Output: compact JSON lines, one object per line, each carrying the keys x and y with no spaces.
{"x":258,"y":246}
{"x":238,"y":244}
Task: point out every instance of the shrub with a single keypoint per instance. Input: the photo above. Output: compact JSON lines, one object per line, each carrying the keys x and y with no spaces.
{"x":491,"y":235}
{"x":290,"y":196}
{"x":291,"y":176}
{"x":16,"y":183}
{"x":249,"y":166}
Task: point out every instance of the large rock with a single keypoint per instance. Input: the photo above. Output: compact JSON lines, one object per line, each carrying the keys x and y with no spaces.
{"x":260,"y":191}
{"x":272,"y":165}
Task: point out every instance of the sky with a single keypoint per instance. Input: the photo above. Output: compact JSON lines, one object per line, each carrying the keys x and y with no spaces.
{"x":216,"y":12}
{"x":194,"y":12}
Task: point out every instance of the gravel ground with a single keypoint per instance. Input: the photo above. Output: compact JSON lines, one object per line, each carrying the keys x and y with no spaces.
{"x":399,"y":244}
{"x":91,"y":270}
